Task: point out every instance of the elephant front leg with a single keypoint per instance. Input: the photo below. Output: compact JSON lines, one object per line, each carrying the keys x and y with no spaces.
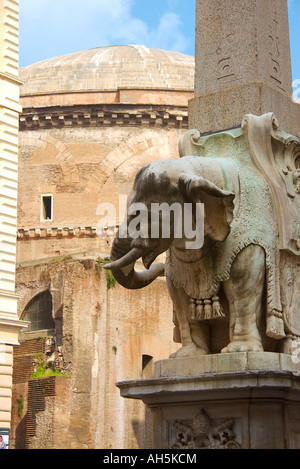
{"x":193,"y":335}
{"x":244,"y":292}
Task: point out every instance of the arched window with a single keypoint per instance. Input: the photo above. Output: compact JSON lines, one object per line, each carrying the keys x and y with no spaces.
{"x":39,"y":312}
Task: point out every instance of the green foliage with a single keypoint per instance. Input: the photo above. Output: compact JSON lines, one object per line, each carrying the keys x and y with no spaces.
{"x":20,"y":401}
{"x":110,"y":278}
{"x":60,"y":259}
{"x":100,"y":263}
{"x":43,"y":371}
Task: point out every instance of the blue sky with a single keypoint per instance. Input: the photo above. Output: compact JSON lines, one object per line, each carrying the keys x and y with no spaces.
{"x":49,"y":28}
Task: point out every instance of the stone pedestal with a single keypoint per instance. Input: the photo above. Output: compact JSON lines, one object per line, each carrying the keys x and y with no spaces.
{"x":225,"y":401}
{"x":242,"y":66}
{"x":224,"y":109}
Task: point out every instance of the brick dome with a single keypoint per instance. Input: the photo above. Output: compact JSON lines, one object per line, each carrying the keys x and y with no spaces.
{"x":115,"y":74}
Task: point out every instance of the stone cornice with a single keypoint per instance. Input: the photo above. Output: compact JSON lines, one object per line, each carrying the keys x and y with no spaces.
{"x":104,"y":116}
{"x":12,"y":78}
{"x":30,"y":233}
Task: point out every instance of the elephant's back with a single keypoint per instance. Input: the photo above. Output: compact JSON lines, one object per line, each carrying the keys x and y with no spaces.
{"x":220,"y":171}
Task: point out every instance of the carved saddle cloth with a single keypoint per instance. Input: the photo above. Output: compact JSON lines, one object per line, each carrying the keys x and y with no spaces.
{"x":254,"y":223}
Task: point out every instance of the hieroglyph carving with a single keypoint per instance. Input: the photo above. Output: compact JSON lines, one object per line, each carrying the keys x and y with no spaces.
{"x":224,"y":56}
{"x":203,"y":433}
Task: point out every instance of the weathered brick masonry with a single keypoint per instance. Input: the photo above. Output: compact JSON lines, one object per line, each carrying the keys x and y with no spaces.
{"x":90,"y":121}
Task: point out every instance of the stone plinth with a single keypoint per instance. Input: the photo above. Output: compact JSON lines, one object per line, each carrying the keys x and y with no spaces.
{"x":243,"y":64}
{"x":241,"y":400}
{"x":224,"y":109}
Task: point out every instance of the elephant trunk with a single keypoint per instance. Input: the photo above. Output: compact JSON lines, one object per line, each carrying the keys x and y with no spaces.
{"x":123,"y":267}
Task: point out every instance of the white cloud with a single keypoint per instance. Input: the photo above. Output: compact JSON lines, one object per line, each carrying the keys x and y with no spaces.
{"x":55,"y":27}
{"x":168,"y":33}
{"x":62,"y":16}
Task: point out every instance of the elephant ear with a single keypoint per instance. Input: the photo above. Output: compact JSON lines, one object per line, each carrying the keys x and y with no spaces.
{"x":218,"y":205}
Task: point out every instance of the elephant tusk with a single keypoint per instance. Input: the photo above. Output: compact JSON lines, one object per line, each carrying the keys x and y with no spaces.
{"x":124,"y":261}
{"x":147,"y":276}
{"x":122,"y":267}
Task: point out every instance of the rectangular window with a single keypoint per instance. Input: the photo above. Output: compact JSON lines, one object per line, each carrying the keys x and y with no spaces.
{"x":46,"y":207}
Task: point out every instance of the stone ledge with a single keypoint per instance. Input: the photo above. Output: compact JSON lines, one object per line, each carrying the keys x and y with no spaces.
{"x":248,"y":374}
{"x":260,"y":372}
{"x":24,"y":234}
{"x":284,"y":385}
{"x":225,"y":363}
{"x":103,"y":116}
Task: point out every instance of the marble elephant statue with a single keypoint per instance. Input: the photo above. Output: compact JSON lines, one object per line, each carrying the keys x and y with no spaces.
{"x":225,"y":294}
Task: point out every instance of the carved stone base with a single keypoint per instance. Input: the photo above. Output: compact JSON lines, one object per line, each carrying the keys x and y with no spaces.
{"x":230,"y":401}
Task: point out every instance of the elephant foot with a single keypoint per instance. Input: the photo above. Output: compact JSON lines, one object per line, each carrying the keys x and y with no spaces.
{"x":190,"y":350}
{"x":243,"y":346}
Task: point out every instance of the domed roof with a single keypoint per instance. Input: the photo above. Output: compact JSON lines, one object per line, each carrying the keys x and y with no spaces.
{"x":108,"y":69}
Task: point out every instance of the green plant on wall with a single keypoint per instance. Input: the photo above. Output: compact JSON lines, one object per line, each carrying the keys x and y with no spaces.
{"x":54,"y":260}
{"x":20,"y":402}
{"x":110,"y":279}
{"x":43,"y":371}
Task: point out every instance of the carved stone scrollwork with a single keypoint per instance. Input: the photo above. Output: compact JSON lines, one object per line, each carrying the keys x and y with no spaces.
{"x":204,"y":433}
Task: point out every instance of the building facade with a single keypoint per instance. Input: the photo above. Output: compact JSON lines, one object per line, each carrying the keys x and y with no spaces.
{"x":90,"y":121}
{"x":10,"y":110}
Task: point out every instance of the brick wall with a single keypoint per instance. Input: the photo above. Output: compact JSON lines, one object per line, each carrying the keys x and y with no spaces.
{"x":39,"y":392}
{"x":24,"y":355}
{"x":23,"y":368}
{"x":47,"y":422}
{"x":45,"y":419}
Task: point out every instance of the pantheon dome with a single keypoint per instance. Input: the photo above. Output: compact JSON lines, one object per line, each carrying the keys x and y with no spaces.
{"x":108,"y":75}
{"x":91,"y":120}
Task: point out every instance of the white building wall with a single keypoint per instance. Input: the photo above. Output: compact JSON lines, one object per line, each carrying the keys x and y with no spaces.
{"x":9,"y":129}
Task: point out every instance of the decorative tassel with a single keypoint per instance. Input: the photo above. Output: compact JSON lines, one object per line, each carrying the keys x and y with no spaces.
{"x":217,"y":311}
{"x":275,"y":325}
{"x":199,"y":310}
{"x":207,"y":309}
{"x":192,"y":309}
{"x":203,"y":310}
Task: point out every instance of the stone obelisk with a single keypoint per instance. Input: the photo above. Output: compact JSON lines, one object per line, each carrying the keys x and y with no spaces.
{"x":243,"y":64}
